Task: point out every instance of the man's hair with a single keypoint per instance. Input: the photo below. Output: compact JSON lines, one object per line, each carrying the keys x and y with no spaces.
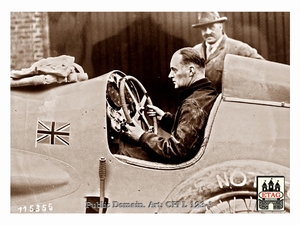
{"x":190,"y":55}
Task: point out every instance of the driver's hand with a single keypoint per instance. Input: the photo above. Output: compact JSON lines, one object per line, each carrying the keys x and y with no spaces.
{"x":134,"y":131}
{"x":155,"y":111}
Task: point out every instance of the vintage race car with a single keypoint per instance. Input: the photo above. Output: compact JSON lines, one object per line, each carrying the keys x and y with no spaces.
{"x":65,"y":139}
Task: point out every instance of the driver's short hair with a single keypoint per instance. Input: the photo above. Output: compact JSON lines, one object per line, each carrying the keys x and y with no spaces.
{"x":190,"y":55}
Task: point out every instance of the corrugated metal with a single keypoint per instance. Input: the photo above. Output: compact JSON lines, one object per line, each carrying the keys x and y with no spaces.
{"x":142,"y":43}
{"x":268,"y":32}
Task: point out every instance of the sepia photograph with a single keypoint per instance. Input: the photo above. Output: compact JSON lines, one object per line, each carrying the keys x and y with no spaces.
{"x":150,"y":112}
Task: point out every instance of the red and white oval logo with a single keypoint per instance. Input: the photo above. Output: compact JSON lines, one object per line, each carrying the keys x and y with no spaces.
{"x":271,"y":194}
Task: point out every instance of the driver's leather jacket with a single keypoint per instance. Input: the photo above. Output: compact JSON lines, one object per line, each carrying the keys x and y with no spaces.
{"x":186,"y":127}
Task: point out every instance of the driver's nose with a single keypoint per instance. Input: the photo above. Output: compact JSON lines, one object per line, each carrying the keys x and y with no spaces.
{"x":170,"y":75}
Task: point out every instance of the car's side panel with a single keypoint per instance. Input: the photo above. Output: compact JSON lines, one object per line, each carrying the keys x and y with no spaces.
{"x":247,"y":78}
{"x":243,"y":130}
{"x":82,"y":105}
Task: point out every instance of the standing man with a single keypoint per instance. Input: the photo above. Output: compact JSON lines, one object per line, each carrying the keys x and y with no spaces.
{"x":186,"y":127}
{"x":216,"y":45}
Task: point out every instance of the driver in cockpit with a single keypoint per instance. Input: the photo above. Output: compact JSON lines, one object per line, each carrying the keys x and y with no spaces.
{"x":186,"y":127}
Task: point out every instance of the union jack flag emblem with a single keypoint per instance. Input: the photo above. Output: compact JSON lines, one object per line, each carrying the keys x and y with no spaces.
{"x":54,"y":133}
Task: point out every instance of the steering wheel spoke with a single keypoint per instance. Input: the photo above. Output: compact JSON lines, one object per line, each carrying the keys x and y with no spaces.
{"x":131,"y":94}
{"x":143,"y":118}
{"x":140,"y":105}
{"x":144,"y":100}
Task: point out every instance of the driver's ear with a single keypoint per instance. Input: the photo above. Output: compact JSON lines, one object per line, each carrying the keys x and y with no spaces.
{"x":192,"y":70}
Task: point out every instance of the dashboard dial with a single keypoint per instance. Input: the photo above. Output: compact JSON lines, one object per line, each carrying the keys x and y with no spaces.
{"x":113,"y":95}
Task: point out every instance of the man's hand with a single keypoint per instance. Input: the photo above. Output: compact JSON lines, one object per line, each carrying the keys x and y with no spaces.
{"x":155,"y":111}
{"x":134,"y":132}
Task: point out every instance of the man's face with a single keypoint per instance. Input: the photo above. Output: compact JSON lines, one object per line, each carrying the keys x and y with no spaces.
{"x":180,"y":74}
{"x":212,"y":32}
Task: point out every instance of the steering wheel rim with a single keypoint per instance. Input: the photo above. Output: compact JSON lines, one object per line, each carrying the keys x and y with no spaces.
{"x":140,"y":104}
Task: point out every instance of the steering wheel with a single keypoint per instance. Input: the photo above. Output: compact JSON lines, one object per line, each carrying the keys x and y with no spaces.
{"x":140,"y":105}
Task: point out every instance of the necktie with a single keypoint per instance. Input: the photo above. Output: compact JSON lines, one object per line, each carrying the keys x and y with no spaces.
{"x":209,"y":48}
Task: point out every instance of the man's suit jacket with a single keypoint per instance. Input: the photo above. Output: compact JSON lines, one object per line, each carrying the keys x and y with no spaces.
{"x":214,"y":63}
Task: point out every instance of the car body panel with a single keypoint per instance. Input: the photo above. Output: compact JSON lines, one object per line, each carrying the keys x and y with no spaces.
{"x":238,"y":127}
{"x":247,"y":78}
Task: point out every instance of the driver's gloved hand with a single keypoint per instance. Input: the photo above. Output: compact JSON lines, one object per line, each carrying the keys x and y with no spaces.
{"x":155,"y":111}
{"x":134,"y":131}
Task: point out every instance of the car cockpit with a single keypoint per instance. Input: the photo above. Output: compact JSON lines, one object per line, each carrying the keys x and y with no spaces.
{"x":124,"y":104}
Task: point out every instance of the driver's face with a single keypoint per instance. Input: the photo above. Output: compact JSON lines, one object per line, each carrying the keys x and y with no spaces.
{"x":180,"y":74}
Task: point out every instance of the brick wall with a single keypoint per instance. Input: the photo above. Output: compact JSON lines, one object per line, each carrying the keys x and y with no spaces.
{"x":29,"y":38}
